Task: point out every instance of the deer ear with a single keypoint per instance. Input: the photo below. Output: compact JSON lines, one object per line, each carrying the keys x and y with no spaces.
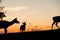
{"x":22,"y":22}
{"x":16,"y":18}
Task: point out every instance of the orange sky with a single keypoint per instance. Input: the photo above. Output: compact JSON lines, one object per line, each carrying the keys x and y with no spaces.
{"x":36,"y":12}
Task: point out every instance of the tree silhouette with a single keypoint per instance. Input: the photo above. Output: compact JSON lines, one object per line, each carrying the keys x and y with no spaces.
{"x":2,"y":15}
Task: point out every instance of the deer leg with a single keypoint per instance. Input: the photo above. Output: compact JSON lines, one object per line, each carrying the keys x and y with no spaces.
{"x":22,"y":30}
{"x":52,"y":25}
{"x":1,"y":18}
{"x":5,"y":29}
{"x":57,"y":25}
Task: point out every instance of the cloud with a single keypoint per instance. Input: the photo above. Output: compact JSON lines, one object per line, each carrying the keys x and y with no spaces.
{"x":17,"y":8}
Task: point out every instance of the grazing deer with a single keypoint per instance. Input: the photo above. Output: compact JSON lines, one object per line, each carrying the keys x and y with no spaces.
{"x":6,"y":24}
{"x":56,"y":20}
{"x":22,"y":28}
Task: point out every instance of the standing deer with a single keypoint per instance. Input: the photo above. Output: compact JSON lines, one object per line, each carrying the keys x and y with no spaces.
{"x":22,"y":28}
{"x":56,"y":20}
{"x":6,"y":24}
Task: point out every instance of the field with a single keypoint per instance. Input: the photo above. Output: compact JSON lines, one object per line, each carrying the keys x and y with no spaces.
{"x":31,"y":35}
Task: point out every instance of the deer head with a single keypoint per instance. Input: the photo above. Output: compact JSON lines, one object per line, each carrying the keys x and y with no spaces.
{"x":15,"y":20}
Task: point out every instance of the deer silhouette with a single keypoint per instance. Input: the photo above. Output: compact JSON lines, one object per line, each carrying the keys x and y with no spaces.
{"x":5,"y":24}
{"x":56,"y":20}
{"x":22,"y":28}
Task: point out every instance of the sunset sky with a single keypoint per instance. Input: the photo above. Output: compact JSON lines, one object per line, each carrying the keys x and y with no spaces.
{"x":36,"y":12}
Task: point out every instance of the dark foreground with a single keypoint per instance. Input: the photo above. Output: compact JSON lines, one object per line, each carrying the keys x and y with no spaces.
{"x":38,"y":35}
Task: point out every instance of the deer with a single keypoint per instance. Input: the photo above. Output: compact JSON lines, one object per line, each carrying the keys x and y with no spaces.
{"x":22,"y":27}
{"x":5,"y":24}
{"x":56,"y":20}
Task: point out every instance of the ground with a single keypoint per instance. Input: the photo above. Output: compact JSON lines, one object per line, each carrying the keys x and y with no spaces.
{"x":36,"y":35}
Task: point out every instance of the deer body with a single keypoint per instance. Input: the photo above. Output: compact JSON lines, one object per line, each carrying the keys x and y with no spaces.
{"x":56,"y":20}
{"x":6,"y":24}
